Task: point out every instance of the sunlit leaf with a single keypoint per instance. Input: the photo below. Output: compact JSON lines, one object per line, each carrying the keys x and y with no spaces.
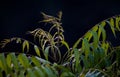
{"x":117,"y":23}
{"x":37,"y":50}
{"x":103,"y":32}
{"x":112,"y":25}
{"x":86,"y":47}
{"x":25,"y":45}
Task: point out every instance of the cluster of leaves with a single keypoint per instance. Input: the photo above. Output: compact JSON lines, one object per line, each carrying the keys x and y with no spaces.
{"x":90,"y":56}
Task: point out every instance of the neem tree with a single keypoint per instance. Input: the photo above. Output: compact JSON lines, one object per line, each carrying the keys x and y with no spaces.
{"x":91,"y":55}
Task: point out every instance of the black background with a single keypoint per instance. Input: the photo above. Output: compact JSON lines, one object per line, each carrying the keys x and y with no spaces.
{"x":17,"y":16}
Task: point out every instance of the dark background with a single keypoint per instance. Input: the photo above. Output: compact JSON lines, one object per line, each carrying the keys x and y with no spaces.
{"x":17,"y":16}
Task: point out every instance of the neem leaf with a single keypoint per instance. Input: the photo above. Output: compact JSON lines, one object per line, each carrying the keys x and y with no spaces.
{"x":77,"y":57}
{"x":103,"y":32}
{"x":30,"y":73}
{"x":95,"y":39}
{"x":46,"y":52}
{"x":117,"y":23}
{"x":36,"y":61}
{"x":39,"y":72}
{"x":23,"y":60}
{"x":86,"y":47}
{"x":66,"y":44}
{"x":25,"y":45}
{"x":112,"y":25}
{"x":37,"y":50}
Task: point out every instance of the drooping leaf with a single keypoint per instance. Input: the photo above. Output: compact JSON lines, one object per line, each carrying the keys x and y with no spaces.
{"x":39,"y":72}
{"x":76,"y":44}
{"x":3,"y":64}
{"x":46,"y":52}
{"x":66,"y":44}
{"x":30,"y":73}
{"x":49,"y":72}
{"x":9,"y":61}
{"x":86,"y":47}
{"x":14,"y":60}
{"x":36,"y":61}
{"x":21,"y":74}
{"x":95,"y":39}
{"x":37,"y":50}
{"x":77,"y":57}
{"x":103,"y":32}
{"x":112,"y":25}
{"x":117,"y":23}
{"x":25,"y":45}
{"x":18,"y":40}
{"x":23,"y":60}
{"x":95,"y":28}
{"x":67,"y":74}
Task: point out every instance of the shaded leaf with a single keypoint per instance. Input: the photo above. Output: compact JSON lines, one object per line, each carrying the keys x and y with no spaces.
{"x":46,"y":52}
{"x":36,"y":61}
{"x":66,"y":44}
{"x":23,"y":60}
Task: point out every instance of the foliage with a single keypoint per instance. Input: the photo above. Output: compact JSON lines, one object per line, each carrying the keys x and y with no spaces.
{"x":91,"y":55}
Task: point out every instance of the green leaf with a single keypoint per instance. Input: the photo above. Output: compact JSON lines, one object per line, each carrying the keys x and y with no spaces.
{"x":95,"y":39}
{"x":105,"y":46}
{"x":21,"y":74}
{"x":1,"y":74}
{"x":95,"y":28}
{"x":103,"y":32}
{"x":49,"y":72}
{"x":46,"y":52}
{"x":112,"y":25}
{"x":66,"y":44}
{"x":76,"y":44}
{"x":67,"y":74}
{"x":86,"y":47}
{"x":96,"y":56}
{"x":77,"y":57}
{"x":14,"y":60}
{"x":36,"y":61}
{"x":25,"y":45}
{"x":88,"y":36}
{"x":23,"y":60}
{"x":117,"y":23}
{"x":3,"y":63}
{"x":37,"y":50}
{"x":18,"y":40}
{"x":39,"y":72}
{"x":9,"y":61}
{"x":85,"y":61}
{"x":30,"y":73}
